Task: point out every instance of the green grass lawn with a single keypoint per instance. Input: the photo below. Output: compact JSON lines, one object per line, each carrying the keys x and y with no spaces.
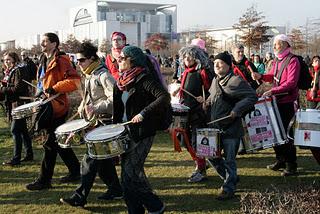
{"x":167,"y":171}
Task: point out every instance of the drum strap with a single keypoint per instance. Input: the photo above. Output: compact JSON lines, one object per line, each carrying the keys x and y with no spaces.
{"x":176,"y":142}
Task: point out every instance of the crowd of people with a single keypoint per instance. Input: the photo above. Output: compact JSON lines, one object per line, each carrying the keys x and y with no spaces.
{"x":127,"y":87}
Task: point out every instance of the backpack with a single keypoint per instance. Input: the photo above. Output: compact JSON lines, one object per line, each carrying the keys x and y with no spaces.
{"x":305,"y":78}
{"x":154,"y":68}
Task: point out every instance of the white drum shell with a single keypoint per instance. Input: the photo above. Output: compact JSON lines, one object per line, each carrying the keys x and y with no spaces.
{"x":265,"y":130}
{"x":307,"y":128}
{"x":26,"y":110}
{"x":180,"y":116}
{"x":212,"y":149}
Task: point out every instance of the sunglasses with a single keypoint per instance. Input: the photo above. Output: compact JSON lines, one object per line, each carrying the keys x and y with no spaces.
{"x":121,"y":58}
{"x":81,"y":60}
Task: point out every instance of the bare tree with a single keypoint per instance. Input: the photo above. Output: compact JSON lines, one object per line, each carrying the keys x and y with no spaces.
{"x":253,"y":28}
{"x":105,"y":46}
{"x":297,"y":41}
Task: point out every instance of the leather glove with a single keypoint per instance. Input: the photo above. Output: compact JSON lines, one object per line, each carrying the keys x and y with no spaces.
{"x":50,"y":91}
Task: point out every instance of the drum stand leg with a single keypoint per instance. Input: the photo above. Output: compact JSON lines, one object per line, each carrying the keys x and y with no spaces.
{"x":176,"y":142}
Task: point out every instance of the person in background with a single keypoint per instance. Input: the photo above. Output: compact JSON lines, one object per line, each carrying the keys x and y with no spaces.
{"x":268,"y":61}
{"x":229,"y":96}
{"x":31,"y":66}
{"x":286,"y":157}
{"x":55,"y":76}
{"x":97,"y":105}
{"x":143,"y":107}
{"x":313,"y":99}
{"x":258,"y":64}
{"x":118,"y":41}
{"x":12,"y":87}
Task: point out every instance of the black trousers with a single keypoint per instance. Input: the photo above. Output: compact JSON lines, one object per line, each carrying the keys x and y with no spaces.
{"x":138,"y":194}
{"x":21,"y":136}
{"x":287,"y":152}
{"x":51,"y":149}
{"x":106,"y":171}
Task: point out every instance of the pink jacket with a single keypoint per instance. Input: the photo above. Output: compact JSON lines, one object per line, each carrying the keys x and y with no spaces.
{"x":288,"y":81}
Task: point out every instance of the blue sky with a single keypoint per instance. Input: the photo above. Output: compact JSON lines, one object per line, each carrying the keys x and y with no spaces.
{"x":19,"y":17}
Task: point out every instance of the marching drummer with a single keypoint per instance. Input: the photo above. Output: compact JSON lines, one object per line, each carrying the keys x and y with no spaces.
{"x":12,"y":87}
{"x":97,"y":107}
{"x":230,"y":96}
{"x":56,"y":77}
{"x":147,"y":99}
{"x":285,"y":78}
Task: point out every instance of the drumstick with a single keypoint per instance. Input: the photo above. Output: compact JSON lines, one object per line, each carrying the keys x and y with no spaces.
{"x":203,"y":93}
{"x":30,"y":83}
{"x":187,"y":92}
{"x":217,"y":120}
{"x":50,"y":98}
{"x":122,"y":124}
{"x":26,"y":98}
{"x":73,"y":116}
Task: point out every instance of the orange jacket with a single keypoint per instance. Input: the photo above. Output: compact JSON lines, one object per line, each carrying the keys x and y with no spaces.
{"x":63,"y":78}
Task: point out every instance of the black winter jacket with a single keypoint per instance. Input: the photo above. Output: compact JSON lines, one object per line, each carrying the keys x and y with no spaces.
{"x":147,"y":97}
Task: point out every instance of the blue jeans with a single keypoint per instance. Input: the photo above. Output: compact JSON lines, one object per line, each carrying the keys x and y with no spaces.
{"x":20,"y":135}
{"x":226,"y":166}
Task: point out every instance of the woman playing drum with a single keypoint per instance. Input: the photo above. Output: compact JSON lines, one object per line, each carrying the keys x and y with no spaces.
{"x":12,"y":87}
{"x":143,"y":108}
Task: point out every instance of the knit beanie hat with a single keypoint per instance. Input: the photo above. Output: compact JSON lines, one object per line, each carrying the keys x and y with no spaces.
{"x":224,"y":56}
{"x":138,"y":58}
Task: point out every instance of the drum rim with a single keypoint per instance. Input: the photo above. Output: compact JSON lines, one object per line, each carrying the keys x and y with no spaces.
{"x":18,"y":108}
{"x":75,"y":130}
{"x":103,"y":140}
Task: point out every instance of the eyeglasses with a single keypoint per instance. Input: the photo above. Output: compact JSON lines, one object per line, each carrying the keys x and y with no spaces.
{"x":81,"y":60}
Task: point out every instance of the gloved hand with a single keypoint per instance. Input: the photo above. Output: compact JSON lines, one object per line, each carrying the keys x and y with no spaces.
{"x":50,"y":91}
{"x":39,"y":94}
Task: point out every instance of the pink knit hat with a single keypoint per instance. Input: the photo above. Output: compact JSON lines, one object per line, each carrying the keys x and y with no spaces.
{"x":200,"y":43}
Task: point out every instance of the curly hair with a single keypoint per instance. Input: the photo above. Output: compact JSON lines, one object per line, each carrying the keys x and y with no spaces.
{"x":196,"y":53}
{"x":88,"y":50}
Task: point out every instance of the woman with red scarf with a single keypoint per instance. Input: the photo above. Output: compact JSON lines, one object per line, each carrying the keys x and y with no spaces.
{"x":118,"y":41}
{"x":313,"y":95}
{"x":144,"y":107}
{"x":195,"y":80}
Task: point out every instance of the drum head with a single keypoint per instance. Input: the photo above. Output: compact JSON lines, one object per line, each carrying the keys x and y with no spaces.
{"x":28,"y":105}
{"x":179,"y":107}
{"x":72,"y":126}
{"x":105,"y":132}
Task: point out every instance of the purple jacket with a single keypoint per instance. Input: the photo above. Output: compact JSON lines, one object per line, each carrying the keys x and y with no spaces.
{"x":288,"y":81}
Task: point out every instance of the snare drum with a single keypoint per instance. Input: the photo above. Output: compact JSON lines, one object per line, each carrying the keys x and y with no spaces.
{"x":106,"y":141}
{"x":180,"y":116}
{"x":208,"y":143}
{"x":264,"y":126}
{"x":26,"y":110}
{"x":171,"y":89}
{"x":71,"y":133}
{"x":307,"y":128}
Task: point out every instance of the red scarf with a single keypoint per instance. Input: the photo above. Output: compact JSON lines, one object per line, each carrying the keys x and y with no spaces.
{"x":128,"y":77}
{"x":184,"y":77}
{"x":238,"y":72}
{"x":113,"y":66}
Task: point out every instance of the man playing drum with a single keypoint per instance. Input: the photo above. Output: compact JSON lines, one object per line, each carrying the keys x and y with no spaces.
{"x":96,"y":106}
{"x":231,"y":96}
{"x":55,"y":76}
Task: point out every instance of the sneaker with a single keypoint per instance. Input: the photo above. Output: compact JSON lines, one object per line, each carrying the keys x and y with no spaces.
{"x":38,"y":185}
{"x":223,"y":196}
{"x":277,"y":166}
{"x":70,"y":178}
{"x":159,"y":211}
{"x":110,"y":196}
{"x":11,"y":162}
{"x":198,"y":176}
{"x":27,"y":158}
{"x":72,"y":201}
